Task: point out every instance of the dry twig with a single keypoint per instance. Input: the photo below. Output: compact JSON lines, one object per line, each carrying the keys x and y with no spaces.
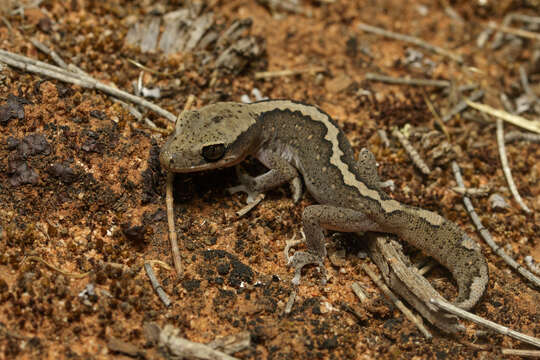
{"x":53,"y":55}
{"x":288,"y":72}
{"x":412,"y":40}
{"x":169,"y":200}
{"x":398,"y":303}
{"x":76,"y":78}
{"x":407,"y":80}
{"x":518,"y":135}
{"x":156,"y":285}
{"x":243,"y":211}
{"x":405,"y":280}
{"x":506,"y":168}
{"x":530,"y":125}
{"x":487,"y":236}
{"x":481,"y":191}
{"x":57,"y":269}
{"x":411,"y":151}
{"x":523,"y":353}
{"x":170,"y":220}
{"x":532,"y":265}
{"x":446,"y":306}
{"x":514,"y":31}
{"x":359,"y":292}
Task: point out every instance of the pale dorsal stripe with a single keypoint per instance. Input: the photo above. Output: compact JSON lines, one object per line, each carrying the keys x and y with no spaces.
{"x":349,"y":178}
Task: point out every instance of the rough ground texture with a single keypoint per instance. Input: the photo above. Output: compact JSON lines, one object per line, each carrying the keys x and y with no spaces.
{"x":81,"y":187}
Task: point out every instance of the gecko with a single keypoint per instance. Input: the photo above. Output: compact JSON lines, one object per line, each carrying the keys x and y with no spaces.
{"x":302,"y":145}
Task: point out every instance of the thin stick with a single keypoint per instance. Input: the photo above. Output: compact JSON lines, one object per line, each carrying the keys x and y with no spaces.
{"x":170,"y":220}
{"x":487,"y":236}
{"x":484,"y":322}
{"x":144,"y":120}
{"x":436,"y":116}
{"x":518,"y":135}
{"x":38,"y":67}
{"x":462,"y":105}
{"x":407,"y":80}
{"x":506,"y":168}
{"x":411,"y":151}
{"x":169,"y":200}
{"x":534,"y":267}
{"x":53,"y":55}
{"x":243,"y":211}
{"x":518,"y":352}
{"x":520,"y":121}
{"x":481,"y":191}
{"x":412,"y":40}
{"x":57,"y":269}
{"x":526,"y":18}
{"x":359,"y":292}
{"x":288,"y":72}
{"x":398,"y":303}
{"x":515,"y":31}
{"x":156,"y":285}
{"x":156,"y":72}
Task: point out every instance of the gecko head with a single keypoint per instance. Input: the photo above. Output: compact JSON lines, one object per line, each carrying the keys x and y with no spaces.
{"x":216,"y":136}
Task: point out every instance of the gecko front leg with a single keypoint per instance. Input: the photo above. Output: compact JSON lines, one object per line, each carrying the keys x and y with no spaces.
{"x":281,"y":172}
{"x":318,"y":217}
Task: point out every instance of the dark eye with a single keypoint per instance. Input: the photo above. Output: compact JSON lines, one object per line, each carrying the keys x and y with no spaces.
{"x":213,"y":152}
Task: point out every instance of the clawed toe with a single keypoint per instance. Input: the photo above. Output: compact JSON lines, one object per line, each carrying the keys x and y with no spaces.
{"x":301,"y":259}
{"x":251,"y":195}
{"x":292,"y":242}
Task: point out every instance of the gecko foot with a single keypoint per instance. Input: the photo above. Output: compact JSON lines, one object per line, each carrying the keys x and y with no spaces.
{"x":251,"y":195}
{"x":301,"y":258}
{"x":246,"y":182}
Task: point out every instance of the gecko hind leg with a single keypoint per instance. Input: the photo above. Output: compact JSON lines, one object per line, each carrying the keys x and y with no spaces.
{"x":316,"y":218}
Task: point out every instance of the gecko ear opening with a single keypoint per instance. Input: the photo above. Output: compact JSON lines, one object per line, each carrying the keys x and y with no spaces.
{"x":213,"y":152}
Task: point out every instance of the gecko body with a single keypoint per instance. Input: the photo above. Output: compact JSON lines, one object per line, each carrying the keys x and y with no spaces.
{"x":301,"y":143}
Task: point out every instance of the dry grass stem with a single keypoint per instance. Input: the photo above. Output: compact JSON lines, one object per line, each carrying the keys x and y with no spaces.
{"x":359,"y":292}
{"x":156,"y":285}
{"x":288,"y":72}
{"x":407,"y":80}
{"x":518,"y":136}
{"x":398,"y":303}
{"x":452,"y":309}
{"x":506,"y":168}
{"x":76,"y":78}
{"x":515,"y":31}
{"x":57,"y":269}
{"x":412,"y":40}
{"x":243,"y":211}
{"x":520,"y":121}
{"x":487,"y":236}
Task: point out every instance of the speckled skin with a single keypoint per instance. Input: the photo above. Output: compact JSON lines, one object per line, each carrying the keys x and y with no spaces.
{"x":297,"y":141}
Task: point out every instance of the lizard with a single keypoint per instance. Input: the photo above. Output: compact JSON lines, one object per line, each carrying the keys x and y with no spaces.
{"x":300,"y":143}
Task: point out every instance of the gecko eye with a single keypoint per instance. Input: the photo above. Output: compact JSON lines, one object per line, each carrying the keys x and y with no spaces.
{"x":213,"y":152}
